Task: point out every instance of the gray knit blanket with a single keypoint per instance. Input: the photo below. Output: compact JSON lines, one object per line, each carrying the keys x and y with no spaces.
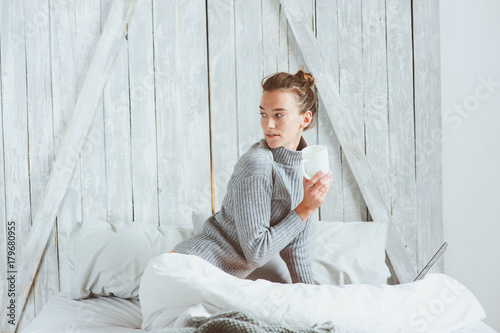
{"x":239,"y":322}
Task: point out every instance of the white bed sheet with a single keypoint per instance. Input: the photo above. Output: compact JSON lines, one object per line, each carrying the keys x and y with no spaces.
{"x":115,"y":315}
{"x":91,"y":315}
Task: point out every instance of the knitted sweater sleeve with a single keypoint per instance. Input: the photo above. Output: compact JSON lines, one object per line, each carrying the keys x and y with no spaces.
{"x":297,"y":259}
{"x":252,"y":211}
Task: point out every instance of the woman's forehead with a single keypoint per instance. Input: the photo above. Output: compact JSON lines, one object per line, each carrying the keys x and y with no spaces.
{"x":278,"y":99}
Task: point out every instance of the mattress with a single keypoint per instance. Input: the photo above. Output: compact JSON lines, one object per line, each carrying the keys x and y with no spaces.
{"x":116,"y":315}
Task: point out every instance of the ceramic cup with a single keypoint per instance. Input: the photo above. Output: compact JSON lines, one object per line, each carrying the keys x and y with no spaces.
{"x":314,"y":159}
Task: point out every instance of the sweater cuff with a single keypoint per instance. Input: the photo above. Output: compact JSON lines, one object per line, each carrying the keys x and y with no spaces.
{"x":292,"y":223}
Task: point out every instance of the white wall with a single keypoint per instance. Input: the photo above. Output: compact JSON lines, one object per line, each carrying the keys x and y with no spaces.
{"x":470,"y":64}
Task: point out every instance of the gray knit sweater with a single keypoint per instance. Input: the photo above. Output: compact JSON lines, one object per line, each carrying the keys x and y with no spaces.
{"x":258,"y":219}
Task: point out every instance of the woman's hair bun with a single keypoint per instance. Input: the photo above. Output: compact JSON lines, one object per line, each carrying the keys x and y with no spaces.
{"x":306,"y":78}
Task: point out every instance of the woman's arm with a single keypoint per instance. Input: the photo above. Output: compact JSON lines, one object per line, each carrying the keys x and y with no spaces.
{"x":252,"y":209}
{"x":297,"y":259}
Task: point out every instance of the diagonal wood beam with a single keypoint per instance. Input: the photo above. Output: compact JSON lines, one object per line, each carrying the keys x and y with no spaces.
{"x":338,"y":113}
{"x":68,"y":155}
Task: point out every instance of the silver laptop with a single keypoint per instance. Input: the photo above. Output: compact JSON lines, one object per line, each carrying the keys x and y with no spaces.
{"x":431,"y":262}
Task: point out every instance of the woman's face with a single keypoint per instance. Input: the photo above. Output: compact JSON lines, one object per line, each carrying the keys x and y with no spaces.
{"x":281,"y":120}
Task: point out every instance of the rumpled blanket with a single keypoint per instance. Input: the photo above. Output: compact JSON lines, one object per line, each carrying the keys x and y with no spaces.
{"x":240,"y":322}
{"x":176,"y":288}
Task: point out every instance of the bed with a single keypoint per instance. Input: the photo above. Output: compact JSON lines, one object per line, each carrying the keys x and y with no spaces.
{"x":123,"y":279}
{"x":117,"y":315}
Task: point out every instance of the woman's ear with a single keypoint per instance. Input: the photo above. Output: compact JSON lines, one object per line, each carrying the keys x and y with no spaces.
{"x":306,"y":119}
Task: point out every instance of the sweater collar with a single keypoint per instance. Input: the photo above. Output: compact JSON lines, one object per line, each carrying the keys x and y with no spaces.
{"x":286,"y":156}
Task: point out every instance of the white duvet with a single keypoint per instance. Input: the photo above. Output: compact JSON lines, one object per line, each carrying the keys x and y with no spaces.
{"x":177,"y":287}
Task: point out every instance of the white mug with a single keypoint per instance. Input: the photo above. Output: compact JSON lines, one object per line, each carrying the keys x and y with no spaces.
{"x":314,"y":159}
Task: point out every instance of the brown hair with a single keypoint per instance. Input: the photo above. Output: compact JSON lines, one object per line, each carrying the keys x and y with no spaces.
{"x":301,"y":85}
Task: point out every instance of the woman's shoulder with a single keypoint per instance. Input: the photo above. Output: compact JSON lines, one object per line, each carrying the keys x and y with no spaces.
{"x":256,"y":161}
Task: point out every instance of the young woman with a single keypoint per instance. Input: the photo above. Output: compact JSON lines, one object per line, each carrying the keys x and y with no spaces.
{"x":268,"y":203}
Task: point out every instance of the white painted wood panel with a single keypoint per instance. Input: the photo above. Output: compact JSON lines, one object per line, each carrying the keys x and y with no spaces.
{"x":223,"y":106}
{"x":249,"y":72}
{"x":182,"y":109}
{"x":271,"y":36}
{"x":118,"y":173}
{"x":15,"y":136}
{"x":427,"y":129}
{"x":351,"y":89}
{"x":64,"y":94}
{"x":283,"y":42}
{"x":40,"y":138}
{"x":143,"y":114}
{"x":375,"y":93}
{"x":195,"y":97}
{"x":327,"y":35}
{"x":93,"y":166}
{"x":401,"y":121}
{"x":167,"y":58}
{"x":68,"y":154}
{"x":195,"y":109}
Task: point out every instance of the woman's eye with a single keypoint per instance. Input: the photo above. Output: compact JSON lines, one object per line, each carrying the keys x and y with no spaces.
{"x":279,"y":115}
{"x":262,"y":114}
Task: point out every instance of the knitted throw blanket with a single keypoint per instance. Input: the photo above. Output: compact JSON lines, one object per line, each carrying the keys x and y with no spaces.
{"x":239,"y":322}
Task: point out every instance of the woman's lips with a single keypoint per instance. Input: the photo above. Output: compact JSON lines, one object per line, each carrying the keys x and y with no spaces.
{"x":272,"y":135}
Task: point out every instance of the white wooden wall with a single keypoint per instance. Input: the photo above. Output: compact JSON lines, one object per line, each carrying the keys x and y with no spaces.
{"x":181,"y":105}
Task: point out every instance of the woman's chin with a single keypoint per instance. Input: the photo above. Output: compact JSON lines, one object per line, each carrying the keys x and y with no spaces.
{"x":272,"y":143}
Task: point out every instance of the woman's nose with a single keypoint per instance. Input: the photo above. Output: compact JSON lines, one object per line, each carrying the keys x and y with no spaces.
{"x":270,"y":123}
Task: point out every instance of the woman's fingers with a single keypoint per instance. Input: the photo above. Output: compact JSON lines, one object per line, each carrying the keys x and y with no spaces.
{"x":318,"y":186}
{"x":319,"y":180}
{"x":325,"y":186}
{"x":316,"y":189}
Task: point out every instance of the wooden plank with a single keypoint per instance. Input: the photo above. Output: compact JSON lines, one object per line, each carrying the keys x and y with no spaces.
{"x":375,"y":91}
{"x":249,"y":72}
{"x":171,"y":187}
{"x":283,"y":42}
{"x":69,"y":152}
{"x":92,"y":160}
{"x":270,"y":36}
{"x":340,"y":119}
{"x":196,"y":116}
{"x":401,"y":121}
{"x":118,"y":170}
{"x":143,"y":114}
{"x":327,"y":36}
{"x":64,"y":95}
{"x":375,"y":94}
{"x":223,"y":118}
{"x":426,"y":54}
{"x":181,"y":100}
{"x":41,"y":141}
{"x":351,"y":88}
{"x":15,"y":136}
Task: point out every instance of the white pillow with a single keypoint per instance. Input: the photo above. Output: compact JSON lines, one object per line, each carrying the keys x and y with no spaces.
{"x":341,"y":253}
{"x":348,"y":252}
{"x":108,"y":259}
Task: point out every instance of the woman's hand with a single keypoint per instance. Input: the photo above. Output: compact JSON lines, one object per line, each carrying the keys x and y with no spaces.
{"x":315,"y":191}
